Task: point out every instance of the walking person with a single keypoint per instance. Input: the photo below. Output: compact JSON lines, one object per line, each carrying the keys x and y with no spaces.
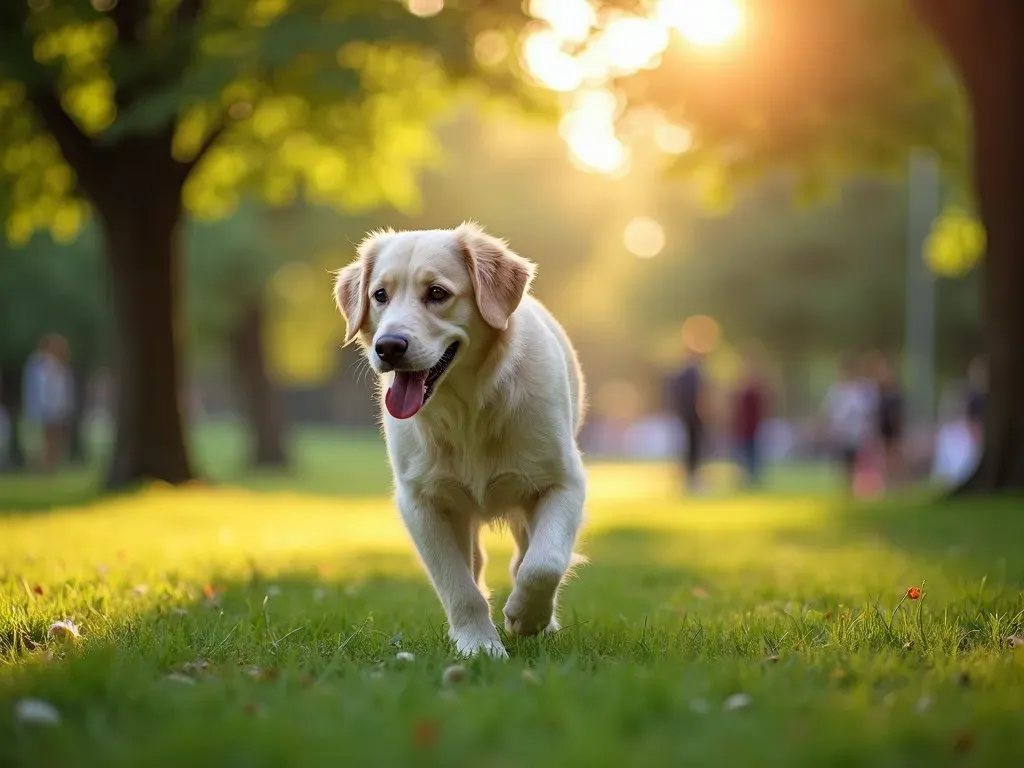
{"x":890,"y":420}
{"x":48,"y":396}
{"x":848,"y":412}
{"x":686,"y":392}
{"x":749,"y":412}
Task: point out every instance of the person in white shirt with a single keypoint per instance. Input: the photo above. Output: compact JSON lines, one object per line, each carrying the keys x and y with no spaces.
{"x":848,"y":411}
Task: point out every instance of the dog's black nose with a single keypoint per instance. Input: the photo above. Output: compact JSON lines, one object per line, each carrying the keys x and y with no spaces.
{"x":390,"y":349}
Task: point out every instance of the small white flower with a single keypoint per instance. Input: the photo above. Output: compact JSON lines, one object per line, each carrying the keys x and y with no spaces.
{"x":737,"y":701}
{"x":65,"y":629}
{"x":36,"y":712}
{"x":700,"y":706}
{"x":405,"y":656}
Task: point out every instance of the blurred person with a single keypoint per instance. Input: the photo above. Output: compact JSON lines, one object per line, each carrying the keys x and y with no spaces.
{"x":686,"y":395}
{"x":750,"y":409}
{"x":48,"y":396}
{"x":890,"y":419}
{"x":977,"y":391}
{"x":848,"y":411}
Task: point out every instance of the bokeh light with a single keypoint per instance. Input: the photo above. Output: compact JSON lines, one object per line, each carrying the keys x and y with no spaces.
{"x":425,"y":8}
{"x":703,"y":22}
{"x":490,"y":48}
{"x":701,"y":334}
{"x":644,"y":237}
{"x":673,"y":139}
{"x":571,"y":20}
{"x":589,"y":130}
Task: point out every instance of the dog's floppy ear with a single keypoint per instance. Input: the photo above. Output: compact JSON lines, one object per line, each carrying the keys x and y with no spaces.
{"x":500,"y":276}
{"x":350,"y":286}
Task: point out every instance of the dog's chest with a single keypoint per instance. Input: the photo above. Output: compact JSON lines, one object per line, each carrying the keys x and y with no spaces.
{"x":488,"y":475}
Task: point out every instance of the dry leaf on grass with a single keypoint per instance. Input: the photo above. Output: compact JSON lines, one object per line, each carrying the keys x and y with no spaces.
{"x":1015,"y":641}
{"x":424,"y":733}
{"x":65,"y":629}
{"x":454,"y":674}
{"x":36,"y":712}
{"x":37,"y":589}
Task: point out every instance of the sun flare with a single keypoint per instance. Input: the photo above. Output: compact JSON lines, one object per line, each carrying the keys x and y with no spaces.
{"x":703,"y":22}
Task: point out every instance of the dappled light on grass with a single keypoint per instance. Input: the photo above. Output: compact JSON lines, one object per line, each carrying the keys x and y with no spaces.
{"x":279,"y":623}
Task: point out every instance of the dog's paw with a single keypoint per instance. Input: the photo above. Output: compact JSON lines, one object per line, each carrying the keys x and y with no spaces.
{"x":470,"y":642}
{"x":531,"y":606}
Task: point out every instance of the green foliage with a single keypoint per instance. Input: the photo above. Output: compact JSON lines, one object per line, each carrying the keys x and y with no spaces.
{"x":49,"y":287}
{"x":334,"y":100}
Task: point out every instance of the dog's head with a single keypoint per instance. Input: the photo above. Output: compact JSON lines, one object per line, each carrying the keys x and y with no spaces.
{"x":413,"y":300}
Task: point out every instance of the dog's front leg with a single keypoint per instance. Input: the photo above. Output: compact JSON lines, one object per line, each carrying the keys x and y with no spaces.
{"x":552,"y":535}
{"x":440,"y":547}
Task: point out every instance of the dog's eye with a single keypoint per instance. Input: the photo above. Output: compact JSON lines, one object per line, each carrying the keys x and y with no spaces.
{"x":380,"y":296}
{"x":436,"y":294}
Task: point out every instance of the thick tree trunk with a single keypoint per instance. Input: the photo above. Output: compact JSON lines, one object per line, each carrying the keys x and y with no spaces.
{"x":983,"y":39}
{"x":10,"y":399}
{"x":262,"y":406}
{"x":143,"y":251}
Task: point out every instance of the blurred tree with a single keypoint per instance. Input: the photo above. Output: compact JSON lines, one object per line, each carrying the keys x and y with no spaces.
{"x":45,"y":288}
{"x":852,"y":85}
{"x":141,"y":106}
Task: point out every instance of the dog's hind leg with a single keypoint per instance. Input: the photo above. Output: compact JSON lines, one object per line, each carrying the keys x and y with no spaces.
{"x":553,"y":527}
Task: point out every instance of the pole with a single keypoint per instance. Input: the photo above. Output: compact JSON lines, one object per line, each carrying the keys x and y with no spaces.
{"x":924,"y":206}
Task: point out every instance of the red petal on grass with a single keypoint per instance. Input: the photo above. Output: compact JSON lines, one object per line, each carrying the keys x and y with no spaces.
{"x":37,"y":589}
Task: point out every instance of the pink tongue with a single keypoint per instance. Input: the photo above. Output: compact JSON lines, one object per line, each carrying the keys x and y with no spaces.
{"x":405,"y":395}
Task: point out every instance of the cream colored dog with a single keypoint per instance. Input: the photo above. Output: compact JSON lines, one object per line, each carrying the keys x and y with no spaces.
{"x":482,"y":400}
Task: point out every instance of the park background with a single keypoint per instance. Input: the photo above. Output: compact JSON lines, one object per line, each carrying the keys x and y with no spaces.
{"x":179,"y":178}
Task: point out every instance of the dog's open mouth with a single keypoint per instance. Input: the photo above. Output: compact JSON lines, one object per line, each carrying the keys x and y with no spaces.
{"x":411,"y":389}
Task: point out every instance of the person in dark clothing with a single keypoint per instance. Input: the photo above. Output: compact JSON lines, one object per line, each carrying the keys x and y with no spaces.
{"x":890,"y":417}
{"x":977,"y":389}
{"x":750,"y":411}
{"x":686,"y":391}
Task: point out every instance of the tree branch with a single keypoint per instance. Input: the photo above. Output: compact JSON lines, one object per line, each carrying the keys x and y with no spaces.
{"x":187,"y":166}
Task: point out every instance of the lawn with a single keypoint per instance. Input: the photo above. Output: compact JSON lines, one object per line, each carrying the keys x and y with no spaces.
{"x":272,"y":625}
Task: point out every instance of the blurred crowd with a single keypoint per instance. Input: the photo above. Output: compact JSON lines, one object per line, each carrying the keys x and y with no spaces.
{"x":862,"y":425}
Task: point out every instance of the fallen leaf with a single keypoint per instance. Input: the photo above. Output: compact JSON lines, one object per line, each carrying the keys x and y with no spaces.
{"x":64,"y":630}
{"x":737,"y":701}
{"x":963,"y":742}
{"x":36,"y":712}
{"x":1015,"y":641}
{"x":424,"y":733}
{"x":454,"y":674}
{"x":177,"y":677}
{"x":828,"y":615}
{"x":700,"y":593}
{"x":37,"y":589}
{"x":209,"y":592}
{"x":405,"y":656}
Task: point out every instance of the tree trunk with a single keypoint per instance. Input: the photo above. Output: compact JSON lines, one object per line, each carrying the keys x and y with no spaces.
{"x":142,"y":234}
{"x":262,"y":407}
{"x":10,"y":399}
{"x":983,"y":40}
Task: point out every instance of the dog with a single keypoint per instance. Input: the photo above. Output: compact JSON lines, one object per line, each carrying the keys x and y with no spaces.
{"x":482,"y":400}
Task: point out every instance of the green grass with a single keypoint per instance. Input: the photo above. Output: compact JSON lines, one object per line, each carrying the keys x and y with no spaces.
{"x":790,"y":599}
